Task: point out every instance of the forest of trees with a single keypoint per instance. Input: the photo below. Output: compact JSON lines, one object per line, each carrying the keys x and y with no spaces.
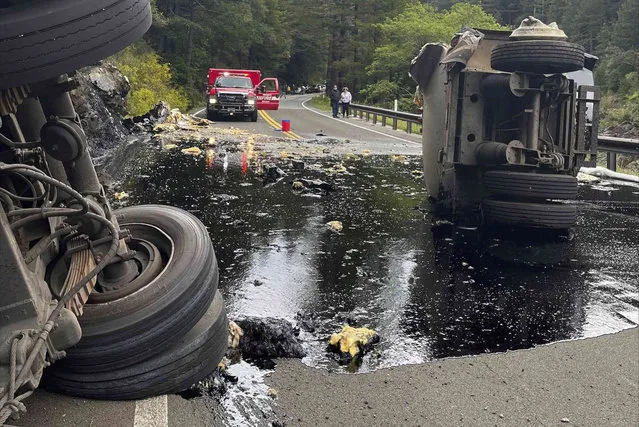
{"x":368,"y":44}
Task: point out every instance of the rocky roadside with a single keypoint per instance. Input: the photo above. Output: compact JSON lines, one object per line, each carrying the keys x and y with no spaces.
{"x":100,"y":101}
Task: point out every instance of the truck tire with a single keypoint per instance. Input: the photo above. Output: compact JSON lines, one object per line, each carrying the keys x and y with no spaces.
{"x":189,"y":359}
{"x":41,"y":40}
{"x":535,"y":215}
{"x":211,"y":115}
{"x":538,"y":56}
{"x":122,"y":332}
{"x":531,"y":185}
{"x":254,"y":116}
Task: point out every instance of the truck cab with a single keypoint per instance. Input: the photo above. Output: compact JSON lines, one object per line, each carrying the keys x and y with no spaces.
{"x":240,"y":93}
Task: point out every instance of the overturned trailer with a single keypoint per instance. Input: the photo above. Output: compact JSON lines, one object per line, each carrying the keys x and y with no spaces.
{"x":509,"y":118}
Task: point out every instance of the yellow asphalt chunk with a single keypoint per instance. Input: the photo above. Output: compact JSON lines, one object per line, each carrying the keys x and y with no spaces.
{"x":276,"y":125}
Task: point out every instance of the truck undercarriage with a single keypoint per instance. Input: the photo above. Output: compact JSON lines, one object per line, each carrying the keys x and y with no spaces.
{"x":123,"y":304}
{"x":508,"y":121}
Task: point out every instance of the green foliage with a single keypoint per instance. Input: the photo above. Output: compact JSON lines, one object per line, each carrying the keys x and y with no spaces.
{"x":321,"y":102}
{"x":623,"y":106}
{"x":617,"y":72}
{"x":150,"y":80}
{"x":380,"y":92}
{"x":403,"y":35}
{"x":614,"y":66}
{"x":368,"y":45}
{"x":624,"y":30}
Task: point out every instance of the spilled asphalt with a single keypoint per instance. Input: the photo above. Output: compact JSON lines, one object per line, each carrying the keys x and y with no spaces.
{"x":430,"y":290}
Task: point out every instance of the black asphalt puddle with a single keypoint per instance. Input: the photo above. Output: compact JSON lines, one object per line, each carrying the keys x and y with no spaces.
{"x":430,"y":291}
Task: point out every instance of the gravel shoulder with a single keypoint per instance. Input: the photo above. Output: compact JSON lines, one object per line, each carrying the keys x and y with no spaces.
{"x":589,"y":382}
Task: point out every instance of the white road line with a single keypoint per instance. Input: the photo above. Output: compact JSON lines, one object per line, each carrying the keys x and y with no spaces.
{"x":152,"y":412}
{"x":357,"y":126}
{"x":199,"y":112}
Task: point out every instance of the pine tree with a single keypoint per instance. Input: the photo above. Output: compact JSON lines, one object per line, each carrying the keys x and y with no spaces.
{"x":624,"y":32}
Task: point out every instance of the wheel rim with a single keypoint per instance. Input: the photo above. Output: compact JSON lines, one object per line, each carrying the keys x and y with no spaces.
{"x":150,"y":264}
{"x":154,"y":250}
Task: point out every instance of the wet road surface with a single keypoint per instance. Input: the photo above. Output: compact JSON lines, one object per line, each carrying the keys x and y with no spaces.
{"x":429,"y":290}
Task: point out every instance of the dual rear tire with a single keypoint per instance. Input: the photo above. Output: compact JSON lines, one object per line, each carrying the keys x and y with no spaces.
{"x":532,"y":199}
{"x":157,"y":338}
{"x":529,"y":200}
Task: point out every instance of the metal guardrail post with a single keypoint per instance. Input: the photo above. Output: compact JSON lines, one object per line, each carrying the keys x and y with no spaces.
{"x":394,"y":123}
{"x":611,"y":161}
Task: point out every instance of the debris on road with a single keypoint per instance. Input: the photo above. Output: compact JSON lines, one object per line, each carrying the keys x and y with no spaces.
{"x":266,"y":338}
{"x":272,"y":173}
{"x":607,"y":173}
{"x":193,"y":151}
{"x":121,"y":195}
{"x":337,"y":168}
{"x":216,"y":384}
{"x":146,"y":122}
{"x":175,"y":120}
{"x":235,"y":334}
{"x":314,"y":183}
{"x":335,"y":225}
{"x":586,"y":178}
{"x":271,"y":392}
{"x":400,"y":159}
{"x":352,"y":343}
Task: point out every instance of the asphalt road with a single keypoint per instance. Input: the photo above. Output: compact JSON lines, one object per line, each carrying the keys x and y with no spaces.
{"x":52,"y":410}
{"x":570,"y":383}
{"x":580,"y":383}
{"x":311,"y":123}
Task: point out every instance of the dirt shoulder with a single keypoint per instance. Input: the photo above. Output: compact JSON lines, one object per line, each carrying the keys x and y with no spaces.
{"x":589,"y":382}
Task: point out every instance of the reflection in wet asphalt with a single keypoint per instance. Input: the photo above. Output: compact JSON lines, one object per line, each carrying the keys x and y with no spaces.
{"x":430,"y":292}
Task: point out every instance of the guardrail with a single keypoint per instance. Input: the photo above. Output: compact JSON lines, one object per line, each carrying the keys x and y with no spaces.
{"x":372,"y":113}
{"x":613,"y":146}
{"x":609,"y":144}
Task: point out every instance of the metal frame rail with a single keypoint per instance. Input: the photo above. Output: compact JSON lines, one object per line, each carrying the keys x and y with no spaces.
{"x":611,"y":145}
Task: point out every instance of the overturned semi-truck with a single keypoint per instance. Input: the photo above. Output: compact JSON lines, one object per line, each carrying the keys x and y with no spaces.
{"x":508,"y":120}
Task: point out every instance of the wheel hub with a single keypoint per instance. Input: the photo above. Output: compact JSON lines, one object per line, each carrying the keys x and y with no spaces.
{"x":149,"y":262}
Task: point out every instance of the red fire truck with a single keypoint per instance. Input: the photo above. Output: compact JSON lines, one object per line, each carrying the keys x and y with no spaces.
{"x":240,"y":93}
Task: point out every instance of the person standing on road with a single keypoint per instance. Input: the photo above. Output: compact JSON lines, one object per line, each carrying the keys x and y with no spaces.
{"x":335,"y":96}
{"x":346,"y":99}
